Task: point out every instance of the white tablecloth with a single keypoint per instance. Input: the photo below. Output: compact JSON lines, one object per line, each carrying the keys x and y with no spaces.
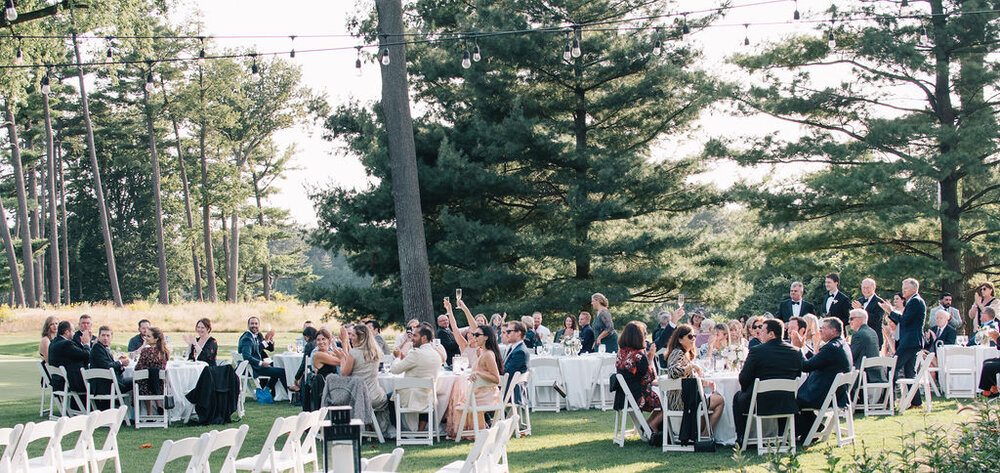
{"x":445,"y":380}
{"x":290,"y":363}
{"x":578,"y":374}
{"x":182,"y":377}
{"x":727,"y":384}
{"x":983,"y":353}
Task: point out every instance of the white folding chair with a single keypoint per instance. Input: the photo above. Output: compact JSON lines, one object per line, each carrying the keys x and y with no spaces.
{"x":150,"y":418}
{"x":193,"y":448}
{"x":248,"y":385}
{"x":830,"y":415}
{"x":66,"y":400}
{"x":910,"y":387}
{"x":545,"y":373}
{"x":77,"y":457}
{"x":413,"y":436}
{"x":871,"y":391}
{"x":485,"y":439}
{"x":672,"y":419}
{"x":49,"y":460}
{"x":630,"y":411}
{"x":472,"y":406}
{"x":231,"y":439}
{"x":512,"y":408}
{"x":46,"y":391}
{"x":783,"y":442}
{"x":8,"y":440}
{"x":376,"y":430}
{"x":506,"y":430}
{"x":308,"y":432}
{"x":386,"y":462}
{"x":114,"y":396}
{"x":112,"y":419}
{"x":958,"y":367}
{"x":600,"y":395}
{"x":270,"y":459}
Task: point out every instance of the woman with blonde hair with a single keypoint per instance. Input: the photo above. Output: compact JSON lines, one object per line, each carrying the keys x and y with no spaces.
{"x":812,"y":340}
{"x":531,"y":338}
{"x":603,"y":324}
{"x":362,"y":361}
{"x":48,"y":333}
{"x":753,"y":327}
{"x":736,"y":333}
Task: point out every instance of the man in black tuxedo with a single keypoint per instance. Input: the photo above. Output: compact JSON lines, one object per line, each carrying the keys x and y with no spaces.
{"x":911,"y":327}
{"x":447,"y":338}
{"x":870,"y":302}
{"x":66,"y":353}
{"x":833,"y":357}
{"x":772,"y":359}
{"x":836,"y":304}
{"x":101,"y":358}
{"x":794,"y":306}
{"x":942,"y":333}
{"x":84,"y":328}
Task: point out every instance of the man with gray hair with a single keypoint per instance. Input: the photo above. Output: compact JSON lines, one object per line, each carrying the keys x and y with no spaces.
{"x":942,"y":333}
{"x":869,"y":301}
{"x":911,"y":330}
{"x":794,"y":306}
{"x":864,"y":343}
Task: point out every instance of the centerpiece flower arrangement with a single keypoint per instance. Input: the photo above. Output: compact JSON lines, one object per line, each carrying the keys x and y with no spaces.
{"x":735,"y":355}
{"x":983,"y":337}
{"x":572,"y":345}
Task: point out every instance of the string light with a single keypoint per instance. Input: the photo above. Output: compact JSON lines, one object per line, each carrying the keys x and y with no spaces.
{"x":385,"y":56}
{"x":568,"y":52}
{"x":685,"y":30}
{"x":904,"y":4}
{"x":576,"y":51}
{"x":476,"y":56}
{"x":746,"y":34}
{"x":831,"y":39}
{"x":10,"y":10}
{"x":109,"y":54}
{"x":46,"y":88}
{"x":254,"y":70}
{"x":466,"y":59}
{"x":357,"y":62}
{"x":796,"y":15}
{"x":201,"y":52}
{"x":923,"y":34}
{"x":658,"y":45}
{"x":149,"y":77}
{"x":19,"y":58}
{"x":292,"y":53}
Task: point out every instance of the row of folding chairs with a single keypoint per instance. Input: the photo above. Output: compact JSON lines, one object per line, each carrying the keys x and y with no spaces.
{"x":489,"y":452}
{"x":21,"y":441}
{"x":879,"y":397}
{"x":507,"y":407}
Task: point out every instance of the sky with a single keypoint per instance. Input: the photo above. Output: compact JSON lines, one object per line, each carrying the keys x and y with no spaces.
{"x":322,"y":163}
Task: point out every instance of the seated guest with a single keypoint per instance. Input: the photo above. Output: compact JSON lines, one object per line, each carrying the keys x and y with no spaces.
{"x":404,"y":343}
{"x":889,"y":331}
{"x":697,"y":317}
{"x":447,"y":338}
{"x":717,"y":341}
{"x":797,"y":335}
{"x":635,"y":363}
{"x":154,"y":354}
{"x":497,"y":322}
{"x":586,"y":334}
{"x":439,"y":348}
{"x":942,"y":333}
{"x":518,"y":355}
{"x":485,"y":379}
{"x":136,"y":342}
{"x":736,"y":333}
{"x":661,"y":336}
{"x":544,"y":334}
{"x":101,"y":358}
{"x":63,"y":351}
{"x":531,"y":338}
{"x":985,"y":297}
{"x":84,"y":328}
{"x":309,"y":337}
{"x":325,"y":361}
{"x":944,"y":303}
{"x":833,"y":357}
{"x":568,"y":329}
{"x":464,"y":341}
{"x":362,"y":361}
{"x":771,"y":359}
{"x":253,"y":347}
{"x":704,"y":333}
{"x":204,"y":347}
{"x":423,"y":361}
{"x":376,"y":328}
{"x":991,"y":367}
{"x":49,"y":329}
{"x":864,"y":344}
{"x":988,"y":316}
{"x":680,"y":351}
{"x":753,"y":327}
{"x":812,"y":340}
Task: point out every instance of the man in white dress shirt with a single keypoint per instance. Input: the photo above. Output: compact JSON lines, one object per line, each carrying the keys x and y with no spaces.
{"x":423,"y":361}
{"x":871,"y":303}
{"x":543,"y":332}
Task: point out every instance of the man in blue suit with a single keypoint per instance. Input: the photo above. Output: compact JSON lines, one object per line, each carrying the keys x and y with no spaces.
{"x":833,"y":357}
{"x":518,"y":355}
{"x":586,"y":333}
{"x":253,"y":347}
{"x":911,"y":328}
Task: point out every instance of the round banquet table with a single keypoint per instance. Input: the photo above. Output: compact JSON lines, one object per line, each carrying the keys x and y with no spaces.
{"x":727,"y":384}
{"x":288,"y":361}
{"x":445,"y":381}
{"x":578,"y":374}
{"x":182,"y":377}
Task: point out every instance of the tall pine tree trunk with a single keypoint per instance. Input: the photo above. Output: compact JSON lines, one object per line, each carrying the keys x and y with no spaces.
{"x":23,"y":226}
{"x":579,"y":193}
{"x":15,"y":274}
{"x":50,"y":182}
{"x":35,"y":225}
{"x":102,"y":208}
{"x":225,"y":247}
{"x":67,"y":298}
{"x":161,"y":254}
{"x":233,"y":269}
{"x":187,"y":193}
{"x":206,"y":216}
{"x":410,"y":239}
{"x":265,"y":271}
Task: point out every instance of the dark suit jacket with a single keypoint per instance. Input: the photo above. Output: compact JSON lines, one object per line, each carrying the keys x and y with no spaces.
{"x":101,"y":357}
{"x":135,"y":342}
{"x":772,"y":360}
{"x":69,"y":354}
{"x":516,"y":362}
{"x":663,"y":336}
{"x":785,"y":309}
{"x":948,"y":337}
{"x":252,"y":348}
{"x":77,"y":337}
{"x":832,"y":358}
{"x":841,"y":307}
{"x":864,"y":344}
{"x":587,"y":340}
{"x":449,"y":343}
{"x":875,"y":315}
{"x":911,"y":324}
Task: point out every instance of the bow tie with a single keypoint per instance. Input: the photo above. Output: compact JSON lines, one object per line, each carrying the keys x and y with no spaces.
{"x":832,"y":295}
{"x":796,"y":303}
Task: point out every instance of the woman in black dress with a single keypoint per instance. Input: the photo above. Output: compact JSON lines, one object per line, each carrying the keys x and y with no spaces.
{"x":324,"y":362}
{"x":204,"y":347}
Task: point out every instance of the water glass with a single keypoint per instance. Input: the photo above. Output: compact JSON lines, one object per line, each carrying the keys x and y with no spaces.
{"x":602,"y":348}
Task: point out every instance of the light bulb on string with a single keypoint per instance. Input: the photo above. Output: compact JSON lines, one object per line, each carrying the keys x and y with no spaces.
{"x":904,"y":3}
{"x":796,"y":15}
{"x":357,"y":63}
{"x":658,"y":45}
{"x":10,"y":10}
{"x":201,"y":52}
{"x":254,"y":70}
{"x":923,"y":34}
{"x":576,"y":51}
{"x":567,"y":54}
{"x":149,"y":82}
{"x":476,"y":55}
{"x":292,"y":53}
{"x":831,"y":40}
{"x":46,"y":88}
{"x":684,"y":26}
{"x":746,"y":34}
{"x":385,"y":56}
{"x":19,"y":57}
{"x":466,"y":60}
{"x":110,"y":54}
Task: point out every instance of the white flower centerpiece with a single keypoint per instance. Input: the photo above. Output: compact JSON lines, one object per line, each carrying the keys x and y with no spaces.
{"x":983,"y":337}
{"x":735,"y":355}
{"x":571,"y":345}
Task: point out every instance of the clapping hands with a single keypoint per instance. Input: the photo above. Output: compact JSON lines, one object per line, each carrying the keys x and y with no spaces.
{"x":856,"y":305}
{"x":885,"y":306}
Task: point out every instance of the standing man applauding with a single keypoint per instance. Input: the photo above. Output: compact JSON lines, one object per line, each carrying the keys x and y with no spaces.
{"x":836,"y":304}
{"x":253,"y":347}
{"x":911,"y":329}
{"x":870,"y":302}
{"x":794,"y":306}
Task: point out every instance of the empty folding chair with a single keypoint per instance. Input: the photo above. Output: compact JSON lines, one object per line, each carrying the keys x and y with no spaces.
{"x":386,"y":462}
{"x":157,"y":401}
{"x":425,"y":390}
{"x":471,"y":406}
{"x":910,"y":387}
{"x":505,"y":431}
{"x":114,"y":397}
{"x":66,"y":400}
{"x":46,"y":391}
{"x":112,"y":420}
{"x":629,"y":412}
{"x":192,"y":448}
{"x":485,"y":440}
{"x":600,"y":395}
{"x":230,"y":439}
{"x":308,"y":432}
{"x":49,"y":431}
{"x":545,"y":374}
{"x":77,"y":457}
{"x":270,"y":459}
{"x":958,"y":371}
{"x":783,"y":442}
{"x":8,"y":440}
{"x":513,"y":408}
{"x":878,"y":397}
{"x":829,"y":415}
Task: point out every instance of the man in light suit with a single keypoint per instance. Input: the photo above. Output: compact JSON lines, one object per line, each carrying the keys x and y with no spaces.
{"x":836,"y":304}
{"x":870,"y":302}
{"x":518,"y":355}
{"x":833,"y":358}
{"x":864,"y":344}
{"x":794,"y":306}
{"x":423,"y":361}
{"x":911,"y":328}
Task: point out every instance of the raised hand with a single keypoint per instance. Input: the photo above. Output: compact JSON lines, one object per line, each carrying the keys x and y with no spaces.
{"x":678,"y":315}
{"x":856,"y":305}
{"x":885,"y":306}
{"x":447,"y":305}
{"x":270,"y":335}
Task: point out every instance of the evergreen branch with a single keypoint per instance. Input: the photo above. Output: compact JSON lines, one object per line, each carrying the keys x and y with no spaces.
{"x":978,"y":195}
{"x":867,"y":100}
{"x":976,"y":234}
{"x":922,"y":84}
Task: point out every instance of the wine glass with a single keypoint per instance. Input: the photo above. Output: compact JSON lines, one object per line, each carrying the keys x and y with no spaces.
{"x":680,"y":301}
{"x":458,"y":294}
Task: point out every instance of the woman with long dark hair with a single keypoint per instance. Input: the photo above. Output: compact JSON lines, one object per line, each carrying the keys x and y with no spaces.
{"x":569,"y":329}
{"x":203,"y":347}
{"x":48,"y":333}
{"x":635,"y":363}
{"x":485,"y":378}
{"x":154,"y":354}
{"x":679,"y":365}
